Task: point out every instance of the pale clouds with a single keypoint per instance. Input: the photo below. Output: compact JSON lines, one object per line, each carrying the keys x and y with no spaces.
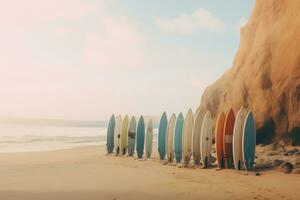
{"x":60,"y":55}
{"x":112,"y":42}
{"x":86,"y":59}
{"x":117,"y":46}
{"x":16,"y":14}
{"x":201,"y":19}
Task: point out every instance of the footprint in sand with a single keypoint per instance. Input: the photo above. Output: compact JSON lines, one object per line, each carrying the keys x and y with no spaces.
{"x":268,"y":190}
{"x":281,"y":195}
{"x":257,"y":197}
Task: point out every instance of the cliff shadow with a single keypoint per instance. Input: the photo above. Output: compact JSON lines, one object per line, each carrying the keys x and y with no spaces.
{"x":266,"y":134}
{"x":294,"y":135}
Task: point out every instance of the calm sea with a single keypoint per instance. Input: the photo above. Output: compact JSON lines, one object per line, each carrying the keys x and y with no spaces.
{"x":19,"y":135}
{"x":27,"y":135}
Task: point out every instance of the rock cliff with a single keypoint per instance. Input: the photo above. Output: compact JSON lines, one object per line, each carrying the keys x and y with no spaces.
{"x":265,"y":76}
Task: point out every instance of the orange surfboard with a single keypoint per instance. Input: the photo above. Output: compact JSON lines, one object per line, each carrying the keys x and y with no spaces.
{"x":227,"y":139}
{"x":219,"y":131}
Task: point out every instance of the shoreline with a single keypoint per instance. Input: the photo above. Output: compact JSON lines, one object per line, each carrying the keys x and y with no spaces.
{"x":102,"y":144}
{"x":87,"y":173}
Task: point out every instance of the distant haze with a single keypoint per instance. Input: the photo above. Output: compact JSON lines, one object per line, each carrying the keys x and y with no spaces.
{"x":87,"y":59}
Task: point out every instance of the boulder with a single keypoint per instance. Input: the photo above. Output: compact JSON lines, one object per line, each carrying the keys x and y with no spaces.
{"x":286,"y":167}
{"x":292,"y":152}
{"x":277,"y":162}
{"x":263,"y":163}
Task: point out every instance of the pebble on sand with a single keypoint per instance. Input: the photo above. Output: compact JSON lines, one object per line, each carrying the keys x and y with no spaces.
{"x":286,"y":167}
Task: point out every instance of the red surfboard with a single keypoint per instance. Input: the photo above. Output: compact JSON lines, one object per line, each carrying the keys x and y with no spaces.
{"x":227,"y":139}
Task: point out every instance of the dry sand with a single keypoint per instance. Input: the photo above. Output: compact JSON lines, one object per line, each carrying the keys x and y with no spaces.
{"x":87,"y":173}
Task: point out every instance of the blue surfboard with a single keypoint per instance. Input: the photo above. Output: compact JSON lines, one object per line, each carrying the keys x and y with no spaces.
{"x":140,"y":138}
{"x":178,"y":138}
{"x":249,"y":141}
{"x":110,"y":134}
{"x":162,"y":132}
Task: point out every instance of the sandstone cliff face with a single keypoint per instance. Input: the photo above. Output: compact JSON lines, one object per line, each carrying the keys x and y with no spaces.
{"x":265,"y":76}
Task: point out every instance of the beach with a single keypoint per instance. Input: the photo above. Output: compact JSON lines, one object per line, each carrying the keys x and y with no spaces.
{"x":87,"y":173}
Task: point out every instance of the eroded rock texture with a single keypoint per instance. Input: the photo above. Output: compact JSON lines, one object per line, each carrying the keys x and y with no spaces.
{"x":265,"y":76}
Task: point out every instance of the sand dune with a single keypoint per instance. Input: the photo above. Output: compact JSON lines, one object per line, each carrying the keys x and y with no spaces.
{"x":87,"y":173}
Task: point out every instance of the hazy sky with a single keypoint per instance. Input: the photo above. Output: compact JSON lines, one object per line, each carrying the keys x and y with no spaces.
{"x":86,"y":59}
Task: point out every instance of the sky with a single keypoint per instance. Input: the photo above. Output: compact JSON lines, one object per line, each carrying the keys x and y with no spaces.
{"x":88,"y":59}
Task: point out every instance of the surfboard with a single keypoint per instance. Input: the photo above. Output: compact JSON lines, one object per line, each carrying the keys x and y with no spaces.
{"x":249,"y":141}
{"x":219,"y":131}
{"x":178,"y":138}
{"x":170,"y":138}
{"x":196,"y":137}
{"x":110,"y":134}
{"x":140,"y":138}
{"x":227,"y":139}
{"x":124,"y":132}
{"x":162,"y":132}
{"x":238,"y":138}
{"x":206,"y":140}
{"x":131,"y":136}
{"x":149,"y":139}
{"x":187,"y":137}
{"x":117,"y":134}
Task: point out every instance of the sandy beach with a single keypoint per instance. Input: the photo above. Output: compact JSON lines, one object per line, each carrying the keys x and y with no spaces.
{"x":87,"y":173}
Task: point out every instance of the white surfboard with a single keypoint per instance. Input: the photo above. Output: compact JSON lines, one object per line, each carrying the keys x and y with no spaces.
{"x":187,"y":137}
{"x":149,"y":139}
{"x":170,"y":138}
{"x":196,"y":137}
{"x":238,"y":138}
{"x":124,"y":135}
{"x":206,"y":139}
{"x":117,"y":134}
{"x":131,"y":136}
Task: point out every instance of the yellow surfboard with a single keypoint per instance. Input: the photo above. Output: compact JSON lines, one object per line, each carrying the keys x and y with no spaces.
{"x":124,"y":135}
{"x":187,"y":137}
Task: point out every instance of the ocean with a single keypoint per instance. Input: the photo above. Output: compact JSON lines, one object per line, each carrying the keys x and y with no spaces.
{"x":30,"y":135}
{"x":19,"y":135}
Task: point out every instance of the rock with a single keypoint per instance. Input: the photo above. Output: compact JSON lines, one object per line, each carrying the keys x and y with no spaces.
{"x":292,"y":152}
{"x":272,"y":153}
{"x":296,"y":171}
{"x":277,"y":162}
{"x":281,"y":149}
{"x":283,"y":142}
{"x":286,"y":167}
{"x":213,"y":159}
{"x":263,"y":163}
{"x":250,"y":173}
{"x":265,"y":75}
{"x":297,"y":163}
{"x":271,"y":147}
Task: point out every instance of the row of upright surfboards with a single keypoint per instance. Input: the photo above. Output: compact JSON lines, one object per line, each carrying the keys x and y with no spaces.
{"x":124,"y":135}
{"x":191,"y":138}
